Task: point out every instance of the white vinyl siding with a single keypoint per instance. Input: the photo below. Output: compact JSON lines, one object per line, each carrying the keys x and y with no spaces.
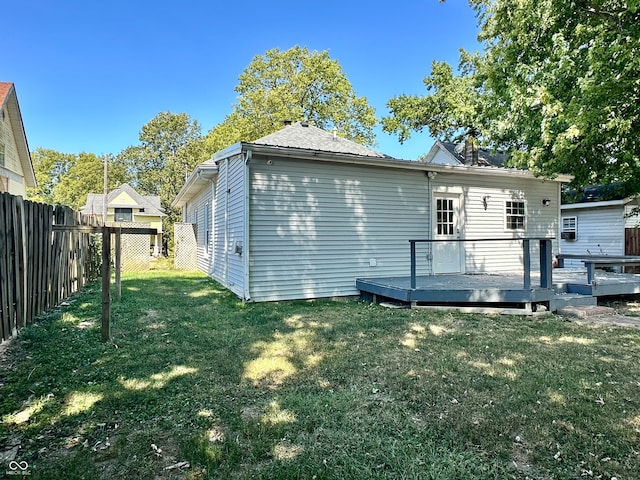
{"x":317,"y":226}
{"x":601,"y":232}
{"x":229,"y":225}
{"x":196,"y":213}
{"x":480,"y":222}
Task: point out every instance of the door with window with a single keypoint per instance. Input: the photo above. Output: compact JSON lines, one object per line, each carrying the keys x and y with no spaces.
{"x":447,"y":253}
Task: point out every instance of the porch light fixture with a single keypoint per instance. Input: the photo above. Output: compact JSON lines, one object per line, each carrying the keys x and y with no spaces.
{"x":485,"y":201}
{"x":545,"y":202}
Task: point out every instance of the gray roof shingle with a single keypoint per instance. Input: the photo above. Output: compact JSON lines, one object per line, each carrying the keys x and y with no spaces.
{"x":485,"y":157}
{"x":150,"y":203}
{"x":307,"y":137}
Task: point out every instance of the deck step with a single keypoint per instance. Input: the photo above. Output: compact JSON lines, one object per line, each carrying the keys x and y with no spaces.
{"x":571,"y":300}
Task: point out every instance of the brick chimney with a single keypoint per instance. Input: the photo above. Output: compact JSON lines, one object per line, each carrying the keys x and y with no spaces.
{"x":470,"y":152}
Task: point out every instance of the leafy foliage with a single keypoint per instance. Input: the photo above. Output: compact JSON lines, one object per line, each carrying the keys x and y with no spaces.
{"x":556,"y":84}
{"x":170,"y":148}
{"x":66,"y":179}
{"x":295,"y":85}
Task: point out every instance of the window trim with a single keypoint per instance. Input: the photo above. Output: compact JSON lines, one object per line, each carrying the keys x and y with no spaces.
{"x":566,"y":232}
{"x":509,"y":212}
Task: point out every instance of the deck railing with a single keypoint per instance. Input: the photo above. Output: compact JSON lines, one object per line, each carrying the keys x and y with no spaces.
{"x":546,"y":261}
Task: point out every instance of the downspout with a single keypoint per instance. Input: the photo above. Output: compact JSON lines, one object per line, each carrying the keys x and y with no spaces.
{"x":246,"y":251}
{"x":430,"y":175}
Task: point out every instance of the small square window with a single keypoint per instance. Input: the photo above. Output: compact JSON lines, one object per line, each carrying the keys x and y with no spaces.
{"x":514,"y":215}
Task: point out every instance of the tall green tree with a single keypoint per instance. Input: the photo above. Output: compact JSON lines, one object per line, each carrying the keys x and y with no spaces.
{"x":49,"y":167}
{"x":556,"y":84}
{"x":171,"y":145}
{"x":296,"y":85}
{"x":67,"y":179}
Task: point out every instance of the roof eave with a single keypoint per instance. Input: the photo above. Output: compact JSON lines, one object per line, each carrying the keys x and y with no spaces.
{"x":202,"y":174}
{"x":397,"y":163}
{"x":20,"y":138}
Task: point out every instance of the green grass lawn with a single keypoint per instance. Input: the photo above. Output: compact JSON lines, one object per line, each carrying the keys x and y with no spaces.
{"x":314,"y":390}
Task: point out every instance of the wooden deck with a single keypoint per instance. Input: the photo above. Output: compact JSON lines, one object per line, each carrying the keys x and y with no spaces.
{"x":501,"y":289}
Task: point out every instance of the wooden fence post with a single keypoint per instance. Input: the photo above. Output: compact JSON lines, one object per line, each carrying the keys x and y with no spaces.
{"x":106,"y":285}
{"x":118,"y":252}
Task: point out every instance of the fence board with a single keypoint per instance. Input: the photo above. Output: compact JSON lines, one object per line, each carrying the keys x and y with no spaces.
{"x":39,"y":267}
{"x":5,"y":321}
{"x":632,"y":246}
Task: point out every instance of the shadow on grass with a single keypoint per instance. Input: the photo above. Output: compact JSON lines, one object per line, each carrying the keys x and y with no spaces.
{"x":331,"y":389}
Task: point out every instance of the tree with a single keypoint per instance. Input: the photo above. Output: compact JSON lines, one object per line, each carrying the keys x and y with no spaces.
{"x":556,"y":85}
{"x":67,"y":179}
{"x":171,"y":145}
{"x":49,"y":167}
{"x":294,"y":85}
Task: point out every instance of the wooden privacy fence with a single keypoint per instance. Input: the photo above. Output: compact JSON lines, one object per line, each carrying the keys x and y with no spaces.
{"x":632,"y":246}
{"x":39,"y":267}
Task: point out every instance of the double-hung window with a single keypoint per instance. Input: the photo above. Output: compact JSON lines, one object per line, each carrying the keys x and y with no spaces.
{"x":514,"y":215}
{"x":569,"y":228}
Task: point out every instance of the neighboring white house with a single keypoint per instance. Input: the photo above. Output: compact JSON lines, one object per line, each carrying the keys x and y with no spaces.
{"x":16,"y":169}
{"x":302,"y":213}
{"x":596,"y":224}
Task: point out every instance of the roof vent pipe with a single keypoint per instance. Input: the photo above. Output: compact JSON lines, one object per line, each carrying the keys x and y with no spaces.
{"x":304,"y":124}
{"x":335,"y":133}
{"x":287,"y":123}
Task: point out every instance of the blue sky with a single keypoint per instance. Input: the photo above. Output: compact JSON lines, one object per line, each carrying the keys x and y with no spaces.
{"x":90,"y":74}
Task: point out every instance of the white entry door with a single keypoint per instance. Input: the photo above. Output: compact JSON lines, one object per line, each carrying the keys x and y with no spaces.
{"x":447,"y":255}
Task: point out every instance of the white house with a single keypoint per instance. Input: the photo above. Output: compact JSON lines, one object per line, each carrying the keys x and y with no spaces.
{"x":597,"y":224}
{"x":16,"y":169}
{"x":302,"y":213}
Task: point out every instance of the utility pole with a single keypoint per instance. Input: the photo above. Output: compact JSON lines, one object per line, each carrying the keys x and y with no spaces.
{"x":106,"y":192}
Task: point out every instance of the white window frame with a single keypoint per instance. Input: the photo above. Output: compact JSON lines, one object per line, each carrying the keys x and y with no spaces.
{"x":508,"y":212}
{"x":570,"y":229}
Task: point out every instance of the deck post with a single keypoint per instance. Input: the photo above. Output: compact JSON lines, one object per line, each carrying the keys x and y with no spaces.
{"x":546,"y":264}
{"x":413,"y":264}
{"x":526,"y":263}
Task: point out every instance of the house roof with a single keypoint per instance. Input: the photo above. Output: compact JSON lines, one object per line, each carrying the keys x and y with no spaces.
{"x":150,"y":203}
{"x":9,"y":103}
{"x":597,"y":196}
{"x":306,"y":142}
{"x":307,"y":137}
{"x":455,"y":152}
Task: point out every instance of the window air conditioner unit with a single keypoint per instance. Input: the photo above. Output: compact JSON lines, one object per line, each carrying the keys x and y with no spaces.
{"x":568,"y":235}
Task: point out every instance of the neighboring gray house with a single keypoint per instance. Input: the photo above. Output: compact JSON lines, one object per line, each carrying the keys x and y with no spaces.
{"x":302,"y":213}
{"x":465,"y":153}
{"x":597,"y":223}
{"x":125,"y":205}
